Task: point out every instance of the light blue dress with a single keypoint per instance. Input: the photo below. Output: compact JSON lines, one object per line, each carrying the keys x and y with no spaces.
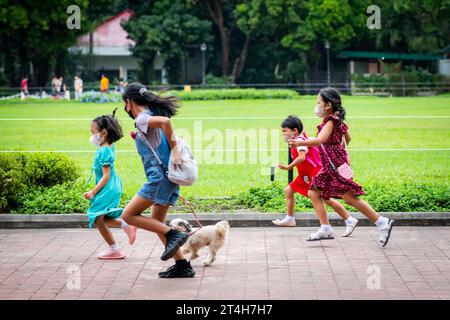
{"x":106,"y":202}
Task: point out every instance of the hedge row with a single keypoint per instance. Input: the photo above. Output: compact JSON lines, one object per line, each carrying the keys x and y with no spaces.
{"x":51,"y":183}
{"x":226,"y":94}
{"x":202,"y":94}
{"x":406,"y":197}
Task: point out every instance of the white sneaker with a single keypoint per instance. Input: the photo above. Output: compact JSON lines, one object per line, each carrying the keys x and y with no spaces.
{"x":321,"y":235}
{"x":284,"y":223}
{"x":385,"y":233}
{"x":350,"y":226}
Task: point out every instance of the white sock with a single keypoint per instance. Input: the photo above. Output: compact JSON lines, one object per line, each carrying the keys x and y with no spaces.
{"x":381,"y":221}
{"x":350,"y":220}
{"x":326,"y":228}
{"x":114,"y":247}
{"x":287,"y":219}
{"x":123,"y":224}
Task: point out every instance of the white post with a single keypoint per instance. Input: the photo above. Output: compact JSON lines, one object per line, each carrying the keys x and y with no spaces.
{"x":352,"y":71}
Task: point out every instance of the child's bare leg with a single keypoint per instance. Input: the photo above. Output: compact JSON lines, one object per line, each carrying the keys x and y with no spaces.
{"x":361,"y":206}
{"x":112,"y":223}
{"x":338,"y":208}
{"x":104,"y":230}
{"x":132,"y":215}
{"x":319,"y":206}
{"x":159,"y":213}
{"x":290,"y":201}
{"x":383,"y":224}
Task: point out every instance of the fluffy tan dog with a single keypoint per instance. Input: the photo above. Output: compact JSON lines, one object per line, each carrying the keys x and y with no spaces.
{"x":212,"y":236}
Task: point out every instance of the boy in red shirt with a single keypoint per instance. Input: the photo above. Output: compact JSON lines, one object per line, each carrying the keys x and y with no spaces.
{"x":307,"y":162}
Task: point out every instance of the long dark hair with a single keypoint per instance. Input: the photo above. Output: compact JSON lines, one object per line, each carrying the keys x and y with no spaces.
{"x":332,"y":96}
{"x":111,"y":125}
{"x":159,"y":106}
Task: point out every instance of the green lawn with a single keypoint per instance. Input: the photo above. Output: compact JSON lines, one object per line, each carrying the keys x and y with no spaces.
{"x":383,"y":129}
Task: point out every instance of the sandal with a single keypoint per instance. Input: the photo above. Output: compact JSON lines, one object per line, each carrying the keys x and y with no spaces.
{"x":350,"y":227}
{"x":385,"y":233}
{"x":320,"y":235}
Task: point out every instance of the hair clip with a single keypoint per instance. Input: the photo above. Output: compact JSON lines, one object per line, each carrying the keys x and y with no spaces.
{"x":142,"y":90}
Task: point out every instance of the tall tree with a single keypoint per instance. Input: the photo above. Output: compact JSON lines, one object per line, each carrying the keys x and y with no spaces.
{"x":412,"y":26}
{"x":232,"y":19}
{"x":166,"y":27}
{"x":36,"y":36}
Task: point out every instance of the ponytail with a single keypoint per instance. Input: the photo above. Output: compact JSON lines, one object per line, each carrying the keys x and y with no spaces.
{"x":159,"y":106}
{"x":341,"y":112}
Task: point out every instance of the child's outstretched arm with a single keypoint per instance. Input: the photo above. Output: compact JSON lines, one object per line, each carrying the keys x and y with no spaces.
{"x":99,"y":186}
{"x":321,"y":138}
{"x":296,"y":162}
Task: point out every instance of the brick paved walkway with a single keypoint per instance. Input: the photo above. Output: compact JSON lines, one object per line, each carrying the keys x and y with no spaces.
{"x":256,"y":263}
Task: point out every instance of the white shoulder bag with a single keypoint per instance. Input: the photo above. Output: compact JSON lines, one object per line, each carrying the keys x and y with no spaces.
{"x":184,"y":174}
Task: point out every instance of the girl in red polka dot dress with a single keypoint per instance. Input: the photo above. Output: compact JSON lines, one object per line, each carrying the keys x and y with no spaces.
{"x":308,"y":165}
{"x":335,"y":179}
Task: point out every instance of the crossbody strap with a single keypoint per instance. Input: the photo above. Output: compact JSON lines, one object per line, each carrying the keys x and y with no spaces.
{"x":143,"y":137}
{"x":329,"y":160}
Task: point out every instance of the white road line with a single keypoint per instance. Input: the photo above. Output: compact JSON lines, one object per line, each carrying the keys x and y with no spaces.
{"x":232,"y":118}
{"x":223,"y":150}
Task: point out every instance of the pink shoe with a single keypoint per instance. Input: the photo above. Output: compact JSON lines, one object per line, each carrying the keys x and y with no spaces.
{"x":111,"y":254}
{"x":131,"y":233}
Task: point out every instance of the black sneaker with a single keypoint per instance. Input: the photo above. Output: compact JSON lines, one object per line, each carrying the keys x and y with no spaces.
{"x":175,"y":239}
{"x":178,"y":271}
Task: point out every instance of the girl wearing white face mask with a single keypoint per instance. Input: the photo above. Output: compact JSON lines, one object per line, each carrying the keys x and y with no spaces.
{"x":105,"y":196}
{"x":335,"y":180}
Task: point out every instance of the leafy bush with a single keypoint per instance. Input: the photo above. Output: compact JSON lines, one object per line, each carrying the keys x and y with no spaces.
{"x":414,"y":81}
{"x":48,"y":169}
{"x":406,"y":197}
{"x":22,"y":172}
{"x":61,"y":198}
{"x":203,"y":94}
{"x":210,"y":79}
{"x":370,"y":83}
{"x":12,"y":179}
{"x":222,"y":94}
{"x":441,"y":83}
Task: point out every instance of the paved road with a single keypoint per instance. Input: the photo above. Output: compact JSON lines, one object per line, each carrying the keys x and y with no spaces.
{"x":255,"y":263}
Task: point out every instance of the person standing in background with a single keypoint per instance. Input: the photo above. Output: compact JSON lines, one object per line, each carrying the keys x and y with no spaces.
{"x":63,"y":88}
{"x":56,"y":86}
{"x":24,"y":87}
{"x":104,"y":84}
{"x":78,"y":87}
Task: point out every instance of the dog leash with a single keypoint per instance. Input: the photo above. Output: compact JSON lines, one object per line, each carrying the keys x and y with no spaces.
{"x":191,"y":207}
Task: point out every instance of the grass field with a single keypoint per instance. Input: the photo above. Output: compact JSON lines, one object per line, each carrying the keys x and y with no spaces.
{"x":394,"y":139}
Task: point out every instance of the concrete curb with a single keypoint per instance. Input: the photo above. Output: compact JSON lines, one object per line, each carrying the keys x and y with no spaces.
{"x":39,"y":221}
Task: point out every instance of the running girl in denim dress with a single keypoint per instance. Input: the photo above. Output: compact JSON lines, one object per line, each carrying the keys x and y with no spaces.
{"x":105,"y":196}
{"x":154,"y":131}
{"x":331,"y":182}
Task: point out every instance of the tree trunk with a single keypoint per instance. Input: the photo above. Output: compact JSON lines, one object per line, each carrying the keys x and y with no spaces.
{"x":91,"y":69}
{"x":60,"y":67}
{"x":240,"y":61}
{"x":215,"y":10}
{"x":225,"y":41}
{"x":41,"y":70}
